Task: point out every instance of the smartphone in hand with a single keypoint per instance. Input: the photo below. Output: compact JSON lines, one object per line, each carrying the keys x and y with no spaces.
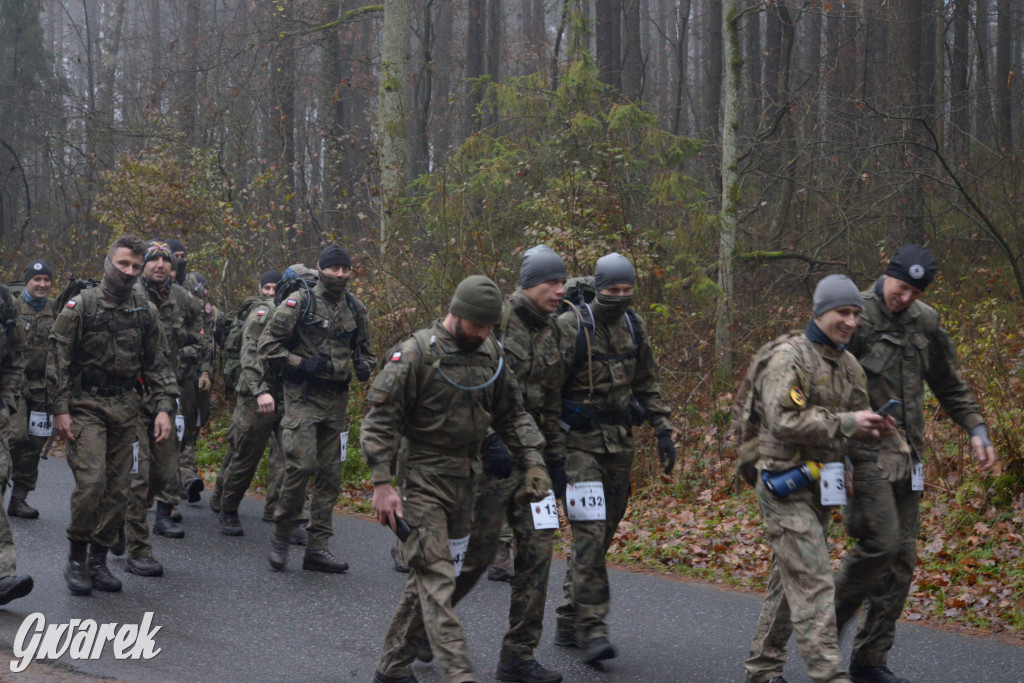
{"x":402,"y":529}
{"x":889,"y":406}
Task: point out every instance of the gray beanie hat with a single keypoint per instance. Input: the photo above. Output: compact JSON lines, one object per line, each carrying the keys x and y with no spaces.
{"x":478,"y":299}
{"x":541,"y":264}
{"x":834,"y":291}
{"x":613,"y":269}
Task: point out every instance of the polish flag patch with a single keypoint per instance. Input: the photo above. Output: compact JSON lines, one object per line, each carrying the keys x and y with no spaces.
{"x":71,"y":304}
{"x":260,"y":311}
{"x":291,"y":303}
{"x":396,"y":356}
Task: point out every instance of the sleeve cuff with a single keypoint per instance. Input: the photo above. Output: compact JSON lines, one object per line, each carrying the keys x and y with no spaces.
{"x":847,"y":424}
{"x":380,"y":474}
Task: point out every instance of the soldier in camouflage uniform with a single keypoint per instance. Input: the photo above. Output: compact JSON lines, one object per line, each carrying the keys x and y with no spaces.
{"x":155,"y":474}
{"x":811,"y":403}
{"x":102,"y":341}
{"x":617,"y":366}
{"x":12,"y":368}
{"x":901,"y":345}
{"x":431,"y":408}
{"x":35,"y":316}
{"x":318,"y":338}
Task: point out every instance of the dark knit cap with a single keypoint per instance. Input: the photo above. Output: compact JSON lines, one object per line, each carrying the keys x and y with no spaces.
{"x":613,"y":269}
{"x":334,"y":255}
{"x":176,"y":246}
{"x":270,"y":276}
{"x":477,"y":299}
{"x":156,"y":249}
{"x":37,"y":267}
{"x":834,"y":291}
{"x":914,"y":265}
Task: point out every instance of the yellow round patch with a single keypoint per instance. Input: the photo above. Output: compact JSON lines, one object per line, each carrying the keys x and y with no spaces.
{"x":797,"y":397}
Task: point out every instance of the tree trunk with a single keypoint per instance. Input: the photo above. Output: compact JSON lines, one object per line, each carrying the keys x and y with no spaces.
{"x":1003,"y":77}
{"x":960,"y":113}
{"x":632,"y":59}
{"x":420,"y":98}
{"x":494,"y":47}
{"x":681,"y":54}
{"x":476,"y":34}
{"x":608,"y":33}
{"x":713,"y":61}
{"x":282,"y":108}
{"x":752,"y":62}
{"x":906,"y":98}
{"x":394,"y":60}
{"x":110,"y":48}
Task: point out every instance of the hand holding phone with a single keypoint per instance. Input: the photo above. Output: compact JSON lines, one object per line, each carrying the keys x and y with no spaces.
{"x":889,"y":406}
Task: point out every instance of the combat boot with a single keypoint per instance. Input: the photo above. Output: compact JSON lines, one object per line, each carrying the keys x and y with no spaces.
{"x":278,"y":556}
{"x":163,"y":525}
{"x":502,"y":568}
{"x":323,"y":561}
{"x":99,"y":574}
{"x":598,"y":649}
{"x":18,"y":507}
{"x":230,"y":525}
{"x":192,"y":489}
{"x":778,"y":679}
{"x":144,"y":566}
{"x":76,"y":573}
{"x":526,"y":672}
{"x":299,"y":535}
{"x":378,"y":677}
{"x":14,"y":587}
{"x":566,"y":639}
{"x":175,"y":514}
{"x":874,"y":674}
{"x":424,"y":653}
{"x":117,"y":550}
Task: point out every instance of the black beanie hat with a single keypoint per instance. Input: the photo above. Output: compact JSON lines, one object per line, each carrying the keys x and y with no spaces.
{"x":37,"y":267}
{"x":914,"y":265}
{"x":334,"y":255}
{"x":271,"y":276}
{"x":155,"y":248}
{"x":176,"y":246}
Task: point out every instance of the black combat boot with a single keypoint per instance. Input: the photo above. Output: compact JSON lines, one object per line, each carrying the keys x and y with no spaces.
{"x":117,"y":550}
{"x":874,"y":674}
{"x":278,"y":555}
{"x":230,"y":525}
{"x":14,"y":587}
{"x":18,"y":507}
{"x":192,"y":489}
{"x":76,"y":574}
{"x":378,"y":677}
{"x":299,"y":535}
{"x":526,"y":672}
{"x":99,"y":574}
{"x":163,"y":525}
{"x":144,"y":566}
{"x":566,"y":639}
{"x":323,"y":561}
{"x":598,"y":649}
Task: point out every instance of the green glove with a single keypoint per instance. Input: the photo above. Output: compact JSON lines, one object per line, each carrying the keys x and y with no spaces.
{"x":536,"y":485}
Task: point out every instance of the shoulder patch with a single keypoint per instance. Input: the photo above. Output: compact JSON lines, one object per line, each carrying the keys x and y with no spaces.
{"x":396,"y":356}
{"x":797,"y":397}
{"x":291,"y":303}
{"x":208,"y":308}
{"x":71,"y":304}
{"x":260,"y":311}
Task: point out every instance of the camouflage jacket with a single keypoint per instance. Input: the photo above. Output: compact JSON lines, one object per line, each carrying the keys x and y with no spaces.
{"x":419,"y":418}
{"x":198,"y":359}
{"x":534,"y":350}
{"x":621,"y":370}
{"x":115,"y":343}
{"x":35,"y":326}
{"x":253,"y":380}
{"x":805,"y":401}
{"x":334,"y":333}
{"x":182,"y":326}
{"x":12,"y":355}
{"x":900,"y":352}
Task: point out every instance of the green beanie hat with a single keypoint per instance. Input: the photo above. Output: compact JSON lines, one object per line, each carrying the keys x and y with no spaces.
{"x":477,"y":299}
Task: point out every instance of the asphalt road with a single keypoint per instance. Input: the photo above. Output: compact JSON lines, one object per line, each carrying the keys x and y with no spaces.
{"x":224,"y":616}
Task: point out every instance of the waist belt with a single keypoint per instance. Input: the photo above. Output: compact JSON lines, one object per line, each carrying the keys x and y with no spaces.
{"x":107,"y":391}
{"x":582,"y":417}
{"x":318,"y":383}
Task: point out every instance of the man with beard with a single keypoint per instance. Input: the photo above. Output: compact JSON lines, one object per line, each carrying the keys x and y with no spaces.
{"x":318,"y":337}
{"x":617,"y":366}
{"x":30,"y":424}
{"x":155,"y":475}
{"x":431,"y":407}
{"x":102,"y":341}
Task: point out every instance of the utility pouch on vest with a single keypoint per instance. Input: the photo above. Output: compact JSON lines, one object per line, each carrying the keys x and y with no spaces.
{"x":579,"y":416}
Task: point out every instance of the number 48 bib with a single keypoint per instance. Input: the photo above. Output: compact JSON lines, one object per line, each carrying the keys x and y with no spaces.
{"x":584,"y":501}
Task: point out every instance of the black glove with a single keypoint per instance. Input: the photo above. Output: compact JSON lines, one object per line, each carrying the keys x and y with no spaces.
{"x":497,"y":459}
{"x":363,"y":371}
{"x":666,"y":450}
{"x":558,"y":480}
{"x":313,"y":366}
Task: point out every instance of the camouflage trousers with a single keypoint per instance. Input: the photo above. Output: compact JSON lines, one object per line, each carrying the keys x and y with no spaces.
{"x":310,"y":429}
{"x":155,"y":473}
{"x":871,"y":518}
{"x":438,"y":509}
{"x":587,"y":597}
{"x":100,"y":458}
{"x":899,"y":509}
{"x":25,"y":449}
{"x":8,"y":558}
{"x":494,"y":508}
{"x":188,"y":406}
{"x":800,"y":590}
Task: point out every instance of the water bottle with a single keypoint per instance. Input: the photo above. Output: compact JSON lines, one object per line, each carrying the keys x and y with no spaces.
{"x":784,"y":483}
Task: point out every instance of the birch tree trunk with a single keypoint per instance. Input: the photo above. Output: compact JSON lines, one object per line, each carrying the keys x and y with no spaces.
{"x":730,"y":190}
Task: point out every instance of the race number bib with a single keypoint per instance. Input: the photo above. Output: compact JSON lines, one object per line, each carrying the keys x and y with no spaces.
{"x":833,"y":484}
{"x":135,"y":458}
{"x":343,"y":438}
{"x":584,"y":501}
{"x":179,"y":426}
{"x":917,"y":477}
{"x":545,"y":513}
{"x":40,"y":424}
{"x":457,"y":547}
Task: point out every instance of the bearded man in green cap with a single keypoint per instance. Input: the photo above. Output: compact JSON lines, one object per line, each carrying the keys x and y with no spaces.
{"x":431,"y":407}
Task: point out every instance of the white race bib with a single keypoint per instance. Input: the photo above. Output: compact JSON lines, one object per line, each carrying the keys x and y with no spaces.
{"x":135,"y":458}
{"x":343,"y":438}
{"x":833,"y":484}
{"x":545,"y":513}
{"x":40,"y":424}
{"x":179,"y":426}
{"x":917,"y":477}
{"x":457,"y":547}
{"x":584,"y":501}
